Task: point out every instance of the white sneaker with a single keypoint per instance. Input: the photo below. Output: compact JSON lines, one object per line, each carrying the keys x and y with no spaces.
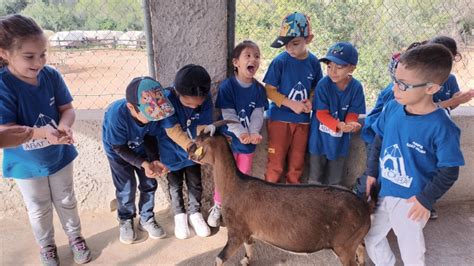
{"x":214,"y":219}
{"x":199,"y":225}
{"x":181,"y":229}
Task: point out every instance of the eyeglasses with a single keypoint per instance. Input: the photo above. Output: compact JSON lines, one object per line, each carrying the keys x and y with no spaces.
{"x":403,"y":86}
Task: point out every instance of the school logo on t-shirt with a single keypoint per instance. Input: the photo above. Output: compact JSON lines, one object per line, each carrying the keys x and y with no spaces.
{"x":133,"y":144}
{"x":36,"y":144}
{"x":189,"y":122}
{"x":298,"y":92}
{"x":393,"y":167}
{"x":244,"y":119}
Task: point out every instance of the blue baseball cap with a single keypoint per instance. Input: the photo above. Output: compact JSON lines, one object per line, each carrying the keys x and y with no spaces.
{"x":293,"y":25}
{"x":342,"y":53}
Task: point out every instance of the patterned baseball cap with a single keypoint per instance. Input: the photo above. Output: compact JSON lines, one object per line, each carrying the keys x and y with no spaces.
{"x":294,"y":25}
{"x":342,"y":53}
{"x":147,"y":95}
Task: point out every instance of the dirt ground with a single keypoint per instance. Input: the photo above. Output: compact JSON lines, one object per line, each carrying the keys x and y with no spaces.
{"x":449,"y":241}
{"x":98,"y":77}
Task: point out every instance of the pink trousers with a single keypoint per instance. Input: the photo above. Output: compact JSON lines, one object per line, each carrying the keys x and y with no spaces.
{"x":244,"y":163}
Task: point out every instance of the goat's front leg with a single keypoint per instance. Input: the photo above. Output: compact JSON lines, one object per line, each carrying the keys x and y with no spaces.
{"x":234,"y":241}
{"x":248,"y":244}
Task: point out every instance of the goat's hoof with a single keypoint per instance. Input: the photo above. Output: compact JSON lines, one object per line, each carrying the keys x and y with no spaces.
{"x":245,"y":261}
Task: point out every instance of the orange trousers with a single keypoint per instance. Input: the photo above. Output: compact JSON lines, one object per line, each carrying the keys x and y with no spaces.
{"x":286,"y":144}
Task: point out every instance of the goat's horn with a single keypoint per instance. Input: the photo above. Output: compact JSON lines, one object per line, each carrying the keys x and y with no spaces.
{"x":224,"y":122}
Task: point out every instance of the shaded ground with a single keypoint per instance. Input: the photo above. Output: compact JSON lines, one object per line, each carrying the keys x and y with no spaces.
{"x":449,"y":240}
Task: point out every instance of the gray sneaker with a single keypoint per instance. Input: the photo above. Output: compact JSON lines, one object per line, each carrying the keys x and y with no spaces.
{"x":81,"y":252}
{"x":214,"y":219}
{"x":154,"y":230}
{"x":49,"y":256}
{"x":127,"y":232}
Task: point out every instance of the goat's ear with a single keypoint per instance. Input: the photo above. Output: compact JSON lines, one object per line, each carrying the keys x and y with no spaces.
{"x":203,"y":135}
{"x":192,"y":148}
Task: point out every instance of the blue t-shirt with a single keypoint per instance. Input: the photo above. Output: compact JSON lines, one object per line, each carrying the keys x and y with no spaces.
{"x":295,"y":79}
{"x":322,"y":140}
{"x":120,"y":128}
{"x":171,"y":154}
{"x":243,"y":100}
{"x":367,"y":134}
{"x":34,"y":106}
{"x":450,"y":87}
{"x":413,"y":148}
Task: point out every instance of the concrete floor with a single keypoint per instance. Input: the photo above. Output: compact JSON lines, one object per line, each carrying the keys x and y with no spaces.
{"x":449,"y":241}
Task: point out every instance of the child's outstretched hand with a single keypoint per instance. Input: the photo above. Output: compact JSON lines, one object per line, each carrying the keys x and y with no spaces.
{"x":54,"y":136}
{"x":13,"y":136}
{"x":462,"y":97}
{"x":66,"y":134}
{"x":345,"y":127}
{"x":417,"y":212}
{"x":356,"y":126}
{"x":159,"y":168}
{"x":154,"y":169}
{"x":255,"y":138}
{"x":245,"y":138}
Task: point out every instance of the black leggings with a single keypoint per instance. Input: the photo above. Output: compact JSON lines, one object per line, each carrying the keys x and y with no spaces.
{"x":192,"y":175}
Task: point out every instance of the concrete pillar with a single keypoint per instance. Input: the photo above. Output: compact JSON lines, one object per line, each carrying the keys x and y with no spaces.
{"x":196,"y":32}
{"x":187,"y":32}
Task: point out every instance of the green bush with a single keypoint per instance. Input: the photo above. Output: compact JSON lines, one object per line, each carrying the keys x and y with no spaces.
{"x":376,"y":28}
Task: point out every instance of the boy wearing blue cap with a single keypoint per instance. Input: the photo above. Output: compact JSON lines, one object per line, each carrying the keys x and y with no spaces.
{"x":289,"y":81}
{"x":129,"y":136}
{"x":338,"y":101}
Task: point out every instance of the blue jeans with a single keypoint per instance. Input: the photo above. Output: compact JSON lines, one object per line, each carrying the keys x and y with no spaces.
{"x":125,"y":182}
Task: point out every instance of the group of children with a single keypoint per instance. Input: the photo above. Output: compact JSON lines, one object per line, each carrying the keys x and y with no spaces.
{"x":413,"y":146}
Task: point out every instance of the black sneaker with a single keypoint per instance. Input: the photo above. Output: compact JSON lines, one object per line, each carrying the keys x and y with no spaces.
{"x":81,"y":252}
{"x":49,"y":256}
{"x":127,"y":232}
{"x":433,"y":214}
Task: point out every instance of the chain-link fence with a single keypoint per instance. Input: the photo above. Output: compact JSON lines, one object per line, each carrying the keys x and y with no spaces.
{"x":377,"y":28}
{"x":98,"y":46}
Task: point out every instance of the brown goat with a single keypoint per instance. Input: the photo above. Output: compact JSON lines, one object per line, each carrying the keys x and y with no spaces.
{"x":296,"y":218}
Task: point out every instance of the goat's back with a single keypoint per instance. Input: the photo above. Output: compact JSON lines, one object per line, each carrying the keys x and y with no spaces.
{"x":299,"y":218}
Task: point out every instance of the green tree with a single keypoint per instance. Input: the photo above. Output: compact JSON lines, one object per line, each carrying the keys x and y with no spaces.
{"x":123,"y":15}
{"x":53,"y":17}
{"x":12,"y":6}
{"x":376,"y":28}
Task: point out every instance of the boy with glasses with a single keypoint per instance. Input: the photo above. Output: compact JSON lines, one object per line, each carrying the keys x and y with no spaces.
{"x":415,"y":156}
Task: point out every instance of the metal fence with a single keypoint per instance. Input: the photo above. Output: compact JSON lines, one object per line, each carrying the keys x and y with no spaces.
{"x":98,"y":46}
{"x":377,"y":28}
